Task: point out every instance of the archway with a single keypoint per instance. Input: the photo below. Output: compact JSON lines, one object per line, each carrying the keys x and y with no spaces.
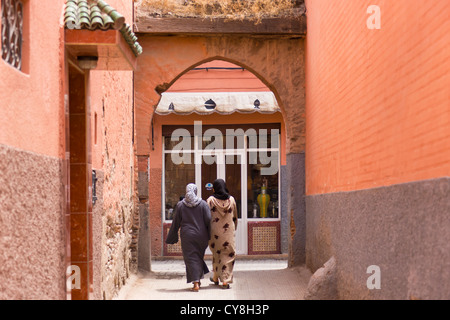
{"x":240,"y":138}
{"x":277,"y":62}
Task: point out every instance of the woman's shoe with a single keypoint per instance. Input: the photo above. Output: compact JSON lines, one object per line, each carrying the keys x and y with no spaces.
{"x":215,"y":282}
{"x":226,"y":286}
{"x":196,"y":287}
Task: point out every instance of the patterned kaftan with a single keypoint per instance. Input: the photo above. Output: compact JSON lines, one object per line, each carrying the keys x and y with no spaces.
{"x":222,"y":242}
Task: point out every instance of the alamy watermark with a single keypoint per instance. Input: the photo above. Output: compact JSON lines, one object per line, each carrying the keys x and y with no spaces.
{"x":374,"y":20}
{"x":374,"y":280}
{"x":259,"y":150}
{"x":73,"y":277}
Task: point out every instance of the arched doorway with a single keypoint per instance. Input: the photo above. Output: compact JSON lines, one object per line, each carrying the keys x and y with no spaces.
{"x":276,"y":62}
{"x":239,"y":137}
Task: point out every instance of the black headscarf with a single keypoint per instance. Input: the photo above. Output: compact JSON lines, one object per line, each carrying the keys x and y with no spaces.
{"x":220,"y":190}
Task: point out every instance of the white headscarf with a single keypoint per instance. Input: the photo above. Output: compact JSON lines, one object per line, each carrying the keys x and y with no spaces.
{"x":191,"y":199}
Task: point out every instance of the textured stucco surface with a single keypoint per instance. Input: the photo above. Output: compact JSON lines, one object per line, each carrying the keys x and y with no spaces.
{"x":98,"y":238}
{"x":111,"y":103}
{"x":154,"y":205}
{"x":404,"y":229}
{"x":32,"y":232}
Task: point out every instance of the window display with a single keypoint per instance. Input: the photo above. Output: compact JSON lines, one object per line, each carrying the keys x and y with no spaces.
{"x":176,"y":178}
{"x":262,"y":189}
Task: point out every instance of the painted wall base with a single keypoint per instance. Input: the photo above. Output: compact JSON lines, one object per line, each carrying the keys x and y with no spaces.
{"x":404,"y":229}
{"x":33,"y":226}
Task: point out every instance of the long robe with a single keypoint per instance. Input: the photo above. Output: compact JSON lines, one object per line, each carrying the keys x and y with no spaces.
{"x":195,"y":233}
{"x":222,"y":244}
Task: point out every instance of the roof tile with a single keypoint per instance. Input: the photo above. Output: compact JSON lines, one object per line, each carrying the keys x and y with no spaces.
{"x":98,"y":15}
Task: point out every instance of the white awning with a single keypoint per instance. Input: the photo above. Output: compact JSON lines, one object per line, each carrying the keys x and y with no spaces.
{"x":225,"y":102}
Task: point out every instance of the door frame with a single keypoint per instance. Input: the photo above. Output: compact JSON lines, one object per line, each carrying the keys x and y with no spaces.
{"x":242,"y":229}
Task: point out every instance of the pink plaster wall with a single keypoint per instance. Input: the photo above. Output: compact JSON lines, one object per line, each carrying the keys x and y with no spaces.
{"x":31,"y":109}
{"x":32,"y":225}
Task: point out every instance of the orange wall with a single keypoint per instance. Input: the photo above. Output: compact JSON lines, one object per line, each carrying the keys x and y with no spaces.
{"x":218,"y":80}
{"x":32,"y":102}
{"x":377,"y":101}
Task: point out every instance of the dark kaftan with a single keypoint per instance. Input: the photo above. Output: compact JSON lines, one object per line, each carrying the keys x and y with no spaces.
{"x":195,"y":233}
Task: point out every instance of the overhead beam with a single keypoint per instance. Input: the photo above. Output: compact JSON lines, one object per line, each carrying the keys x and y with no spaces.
{"x":109,"y":46}
{"x":290,"y":26}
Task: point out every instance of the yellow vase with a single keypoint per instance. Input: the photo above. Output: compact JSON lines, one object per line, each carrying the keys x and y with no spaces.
{"x":263,"y":201}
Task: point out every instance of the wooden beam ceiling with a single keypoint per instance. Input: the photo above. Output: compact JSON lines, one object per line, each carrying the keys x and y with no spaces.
{"x":291,"y":26}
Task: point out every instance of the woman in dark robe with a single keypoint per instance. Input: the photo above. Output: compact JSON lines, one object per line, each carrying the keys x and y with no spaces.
{"x":223,"y":226}
{"x":193,"y":216}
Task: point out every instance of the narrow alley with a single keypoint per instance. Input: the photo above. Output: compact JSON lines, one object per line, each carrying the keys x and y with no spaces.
{"x":303,"y":146}
{"x":254,"y":279}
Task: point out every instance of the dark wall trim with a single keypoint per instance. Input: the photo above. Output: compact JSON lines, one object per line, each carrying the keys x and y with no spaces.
{"x":295,"y":198}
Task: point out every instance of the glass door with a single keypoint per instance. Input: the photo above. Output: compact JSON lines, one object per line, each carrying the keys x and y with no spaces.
{"x":228,"y":165}
{"x":235,"y":177}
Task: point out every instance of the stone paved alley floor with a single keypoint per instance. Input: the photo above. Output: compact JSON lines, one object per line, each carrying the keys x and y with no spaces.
{"x":261,"y":279}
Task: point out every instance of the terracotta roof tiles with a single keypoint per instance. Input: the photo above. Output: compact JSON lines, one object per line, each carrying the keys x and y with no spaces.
{"x":98,"y":15}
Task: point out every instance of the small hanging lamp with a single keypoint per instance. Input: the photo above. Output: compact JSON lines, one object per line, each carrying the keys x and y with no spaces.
{"x":210,"y":104}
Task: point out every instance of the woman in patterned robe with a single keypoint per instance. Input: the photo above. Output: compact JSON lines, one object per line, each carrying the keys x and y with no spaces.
{"x":223,"y":225}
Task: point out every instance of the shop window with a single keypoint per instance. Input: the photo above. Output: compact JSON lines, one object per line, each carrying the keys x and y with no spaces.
{"x":262,"y":188}
{"x":178,"y":142}
{"x":12,"y":32}
{"x":250,"y":167}
{"x":176,"y":178}
{"x":264,"y":139}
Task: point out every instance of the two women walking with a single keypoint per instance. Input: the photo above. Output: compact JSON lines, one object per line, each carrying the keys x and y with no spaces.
{"x":210,"y":222}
